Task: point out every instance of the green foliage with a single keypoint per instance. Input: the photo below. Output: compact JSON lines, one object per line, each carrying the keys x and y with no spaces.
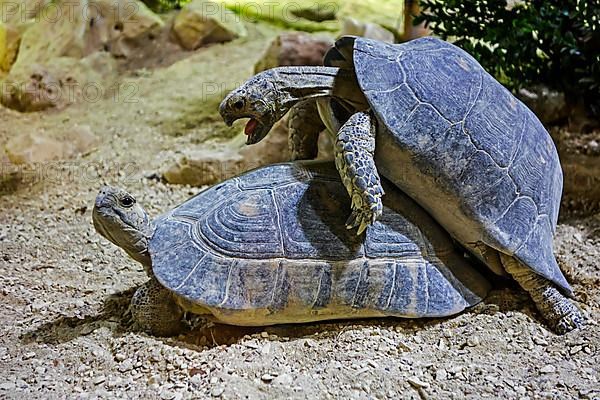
{"x":554,"y":42}
{"x":162,"y":6}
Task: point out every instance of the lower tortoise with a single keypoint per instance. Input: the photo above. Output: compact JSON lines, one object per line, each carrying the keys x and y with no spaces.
{"x":270,"y":247}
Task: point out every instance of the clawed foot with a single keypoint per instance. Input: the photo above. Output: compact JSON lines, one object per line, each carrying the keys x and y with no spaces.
{"x":569,"y":322}
{"x":363,"y":213}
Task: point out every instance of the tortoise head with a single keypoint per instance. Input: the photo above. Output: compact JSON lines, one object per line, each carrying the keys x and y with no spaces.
{"x":119,"y":218}
{"x":258,"y":100}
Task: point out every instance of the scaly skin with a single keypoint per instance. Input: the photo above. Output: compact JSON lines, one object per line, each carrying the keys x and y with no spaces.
{"x":354,"y":151}
{"x":304,"y":126}
{"x":154,"y":310}
{"x":119,"y":218}
{"x":562,"y":315}
{"x":269,"y":95}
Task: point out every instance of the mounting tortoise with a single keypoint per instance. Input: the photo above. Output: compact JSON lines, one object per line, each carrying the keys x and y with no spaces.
{"x":270,"y":247}
{"x":425,"y":115}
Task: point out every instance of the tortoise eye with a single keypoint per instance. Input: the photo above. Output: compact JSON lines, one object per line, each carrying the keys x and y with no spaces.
{"x":127,"y":201}
{"x":238,"y":105}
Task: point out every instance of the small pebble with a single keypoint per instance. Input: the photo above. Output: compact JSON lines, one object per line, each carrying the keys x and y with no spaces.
{"x":267,"y":378}
{"x":416,"y":382}
{"x":441,"y":374}
{"x":167,"y":395}
{"x":283,"y":379}
{"x":7,"y":386}
{"x":548,"y":369}
{"x":217,"y":392}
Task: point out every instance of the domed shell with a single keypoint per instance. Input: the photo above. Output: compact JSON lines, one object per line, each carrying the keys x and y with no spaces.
{"x":452,"y":137}
{"x":270,"y":246}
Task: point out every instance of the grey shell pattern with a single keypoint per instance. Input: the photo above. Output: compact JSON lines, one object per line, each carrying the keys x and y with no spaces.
{"x":270,"y":246}
{"x":461,"y":145}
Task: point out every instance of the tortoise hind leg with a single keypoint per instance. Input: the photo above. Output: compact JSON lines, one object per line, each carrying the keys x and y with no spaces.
{"x":354,"y":158}
{"x":560,"y":313}
{"x":154,"y":310}
{"x":304,"y":127}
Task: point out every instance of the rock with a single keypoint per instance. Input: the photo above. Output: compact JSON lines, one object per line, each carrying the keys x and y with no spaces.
{"x":549,"y":105}
{"x":167,"y":395}
{"x":416,"y":382}
{"x":84,"y":27}
{"x":441,"y":374}
{"x":217,"y":392}
{"x":206,"y":166}
{"x":63,"y":81}
{"x":9,"y":47}
{"x":267,"y":378}
{"x":125,"y":366}
{"x":294,"y":49}
{"x":201,"y":22}
{"x":221,"y":161}
{"x":351,"y":26}
{"x":548,"y":369}
{"x":72,"y":56}
{"x":283,"y":379}
{"x":34,"y":148}
{"x":19,"y":13}
{"x":7,"y":386}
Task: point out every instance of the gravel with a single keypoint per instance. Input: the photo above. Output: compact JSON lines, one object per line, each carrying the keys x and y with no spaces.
{"x":64,"y":331}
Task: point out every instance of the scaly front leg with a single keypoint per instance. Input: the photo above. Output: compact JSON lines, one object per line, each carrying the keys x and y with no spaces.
{"x":354,"y":152}
{"x":154,"y":310}
{"x":304,"y":127}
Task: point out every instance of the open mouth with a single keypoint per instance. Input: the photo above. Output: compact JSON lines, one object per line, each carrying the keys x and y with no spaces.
{"x":255,"y":131}
{"x":251,"y":126}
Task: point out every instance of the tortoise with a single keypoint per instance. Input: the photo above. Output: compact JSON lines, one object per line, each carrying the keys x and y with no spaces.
{"x":269,"y":247}
{"x":425,"y":115}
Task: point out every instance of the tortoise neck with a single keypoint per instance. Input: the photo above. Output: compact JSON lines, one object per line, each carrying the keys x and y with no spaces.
{"x":294,"y":84}
{"x":139,"y":252}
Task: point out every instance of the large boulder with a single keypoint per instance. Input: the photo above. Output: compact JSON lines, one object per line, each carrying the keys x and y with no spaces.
{"x":32,"y":148}
{"x":65,"y":80}
{"x":69,"y":51}
{"x":353,"y":27}
{"x":18,"y":13}
{"x":201,"y":22}
{"x":221,"y":161}
{"x":294,"y":49}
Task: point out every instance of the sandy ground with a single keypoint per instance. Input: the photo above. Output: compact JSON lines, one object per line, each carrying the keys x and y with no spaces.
{"x":65,"y":290}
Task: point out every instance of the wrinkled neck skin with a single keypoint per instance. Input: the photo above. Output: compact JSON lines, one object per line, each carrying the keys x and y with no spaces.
{"x":139,"y":251}
{"x":294,"y":84}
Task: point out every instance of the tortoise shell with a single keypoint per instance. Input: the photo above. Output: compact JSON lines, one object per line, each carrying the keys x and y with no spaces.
{"x":460,"y":144}
{"x":270,"y":246}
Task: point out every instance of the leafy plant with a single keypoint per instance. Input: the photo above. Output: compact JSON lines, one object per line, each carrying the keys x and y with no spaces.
{"x":553,"y":42}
